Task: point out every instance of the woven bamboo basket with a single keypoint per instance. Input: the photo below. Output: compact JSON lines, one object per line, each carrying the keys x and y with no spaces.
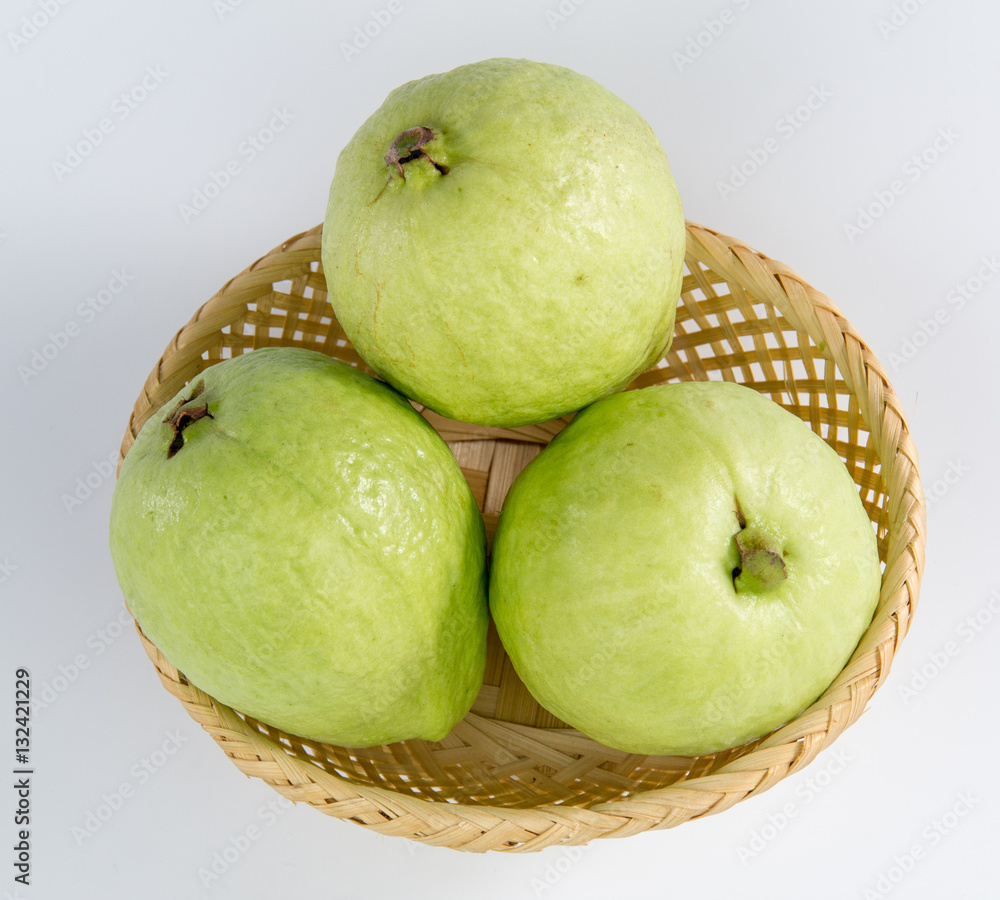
{"x":511,"y":776}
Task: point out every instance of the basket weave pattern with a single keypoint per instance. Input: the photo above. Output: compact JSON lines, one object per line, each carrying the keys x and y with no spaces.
{"x":511,"y":776}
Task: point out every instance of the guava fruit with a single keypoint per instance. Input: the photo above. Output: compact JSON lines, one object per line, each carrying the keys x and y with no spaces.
{"x":303,"y":546}
{"x":683,"y":569}
{"x":504,"y":242}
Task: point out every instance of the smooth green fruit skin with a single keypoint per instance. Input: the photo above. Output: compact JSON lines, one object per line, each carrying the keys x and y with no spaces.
{"x":612,"y":568}
{"x":540,"y":273}
{"x":312,"y":556}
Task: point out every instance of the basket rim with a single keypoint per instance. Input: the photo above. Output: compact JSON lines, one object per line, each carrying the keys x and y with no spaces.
{"x":479,"y":826}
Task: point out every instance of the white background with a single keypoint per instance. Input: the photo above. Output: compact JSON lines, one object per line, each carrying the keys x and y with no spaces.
{"x":924,"y":751}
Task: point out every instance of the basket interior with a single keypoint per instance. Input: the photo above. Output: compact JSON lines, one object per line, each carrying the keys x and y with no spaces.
{"x":510,"y":752}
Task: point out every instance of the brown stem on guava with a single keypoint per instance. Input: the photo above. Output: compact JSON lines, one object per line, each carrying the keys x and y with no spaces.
{"x":762,"y":566}
{"x":742,"y":519}
{"x":408,"y":146}
{"x":183,"y":415}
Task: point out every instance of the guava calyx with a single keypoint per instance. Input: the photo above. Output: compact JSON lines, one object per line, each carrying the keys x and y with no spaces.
{"x":408,"y":146}
{"x":762,"y":566}
{"x":183,"y":415}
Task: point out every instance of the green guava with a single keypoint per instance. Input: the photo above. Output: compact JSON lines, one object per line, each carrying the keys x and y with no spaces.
{"x":303,"y":546}
{"x":683,"y":569}
{"x":504,"y":242}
